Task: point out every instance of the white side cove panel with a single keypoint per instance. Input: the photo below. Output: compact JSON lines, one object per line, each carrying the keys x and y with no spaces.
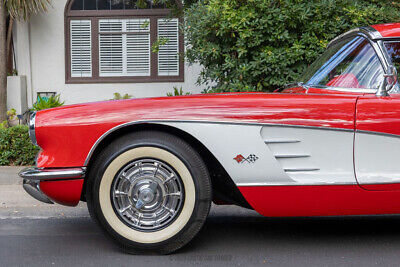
{"x":285,"y":155}
{"x":377,"y":158}
{"x":312,"y":155}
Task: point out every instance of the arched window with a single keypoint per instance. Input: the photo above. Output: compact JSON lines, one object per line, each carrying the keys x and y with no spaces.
{"x":112,"y":41}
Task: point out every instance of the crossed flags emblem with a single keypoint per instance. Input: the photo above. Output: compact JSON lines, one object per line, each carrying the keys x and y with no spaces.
{"x":250,"y":159}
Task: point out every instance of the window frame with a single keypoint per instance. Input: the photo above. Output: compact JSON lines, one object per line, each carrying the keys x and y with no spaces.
{"x":396,"y":87}
{"x":94,"y":16}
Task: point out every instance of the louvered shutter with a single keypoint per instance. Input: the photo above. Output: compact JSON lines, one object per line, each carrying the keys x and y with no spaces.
{"x":124,"y":47}
{"x":110,"y":48}
{"x":168,"y":55}
{"x":138,"y":47}
{"x":81,"y":48}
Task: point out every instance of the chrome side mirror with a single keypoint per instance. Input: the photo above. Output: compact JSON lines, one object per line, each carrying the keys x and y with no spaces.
{"x":389,"y":80}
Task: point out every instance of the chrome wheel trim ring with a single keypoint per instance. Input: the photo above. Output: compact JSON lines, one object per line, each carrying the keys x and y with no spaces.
{"x":147,"y":194}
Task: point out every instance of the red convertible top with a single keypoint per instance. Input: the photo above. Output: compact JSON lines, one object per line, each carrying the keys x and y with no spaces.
{"x":388,"y":29}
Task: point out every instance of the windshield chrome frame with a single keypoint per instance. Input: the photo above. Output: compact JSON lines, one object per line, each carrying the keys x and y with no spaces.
{"x":376,"y":41}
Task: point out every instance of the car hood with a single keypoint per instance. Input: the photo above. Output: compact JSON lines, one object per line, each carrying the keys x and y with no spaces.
{"x":225,"y":106}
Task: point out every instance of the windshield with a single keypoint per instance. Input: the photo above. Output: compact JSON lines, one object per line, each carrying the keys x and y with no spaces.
{"x":350,"y":63}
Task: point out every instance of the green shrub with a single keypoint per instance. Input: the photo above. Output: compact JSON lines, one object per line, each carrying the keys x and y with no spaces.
{"x":259,"y":45}
{"x":178,"y":92}
{"x":15,"y":146}
{"x":118,"y":96}
{"x":11,"y":114}
{"x":14,"y":72}
{"x":47,"y":102}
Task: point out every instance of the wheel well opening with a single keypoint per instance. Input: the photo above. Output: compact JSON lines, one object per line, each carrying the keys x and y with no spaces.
{"x":224,"y":189}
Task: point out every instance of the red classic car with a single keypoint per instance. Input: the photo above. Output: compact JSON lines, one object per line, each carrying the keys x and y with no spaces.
{"x":149,"y":168}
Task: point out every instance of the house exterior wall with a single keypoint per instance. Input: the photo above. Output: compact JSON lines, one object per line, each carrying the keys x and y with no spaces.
{"x":40,"y":56}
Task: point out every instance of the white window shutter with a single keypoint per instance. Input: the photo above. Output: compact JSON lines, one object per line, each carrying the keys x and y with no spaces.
{"x":138,"y":47}
{"x":138,"y":25}
{"x":81,"y":48}
{"x":168,"y":54}
{"x":110,"y":55}
{"x":110,"y":48}
{"x":124,"y":47}
{"x":138,"y":54}
{"x":110,"y":25}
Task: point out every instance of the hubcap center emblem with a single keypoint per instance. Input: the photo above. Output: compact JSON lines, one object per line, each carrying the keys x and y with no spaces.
{"x":146,"y":195}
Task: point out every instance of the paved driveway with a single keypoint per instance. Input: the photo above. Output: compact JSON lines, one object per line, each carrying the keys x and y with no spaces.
{"x":35,"y":234}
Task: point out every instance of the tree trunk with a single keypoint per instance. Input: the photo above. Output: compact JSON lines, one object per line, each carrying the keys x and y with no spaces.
{"x":9,"y":43}
{"x":3,"y":63}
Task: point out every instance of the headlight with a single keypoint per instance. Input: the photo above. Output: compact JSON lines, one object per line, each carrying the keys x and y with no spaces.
{"x":32,"y":133}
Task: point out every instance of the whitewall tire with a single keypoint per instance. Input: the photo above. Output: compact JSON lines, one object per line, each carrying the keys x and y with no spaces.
{"x":150,"y":191}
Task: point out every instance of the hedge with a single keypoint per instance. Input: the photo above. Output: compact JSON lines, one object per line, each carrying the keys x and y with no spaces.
{"x":260,"y":45}
{"x":15,"y":146}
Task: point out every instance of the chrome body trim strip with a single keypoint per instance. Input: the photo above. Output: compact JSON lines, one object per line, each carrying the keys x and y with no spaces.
{"x":300,"y":126}
{"x":38,"y":174}
{"x":342,"y":89}
{"x":378,"y":133}
{"x":309,"y":184}
{"x":348,"y":90}
{"x":199,"y":121}
{"x":291,"y":184}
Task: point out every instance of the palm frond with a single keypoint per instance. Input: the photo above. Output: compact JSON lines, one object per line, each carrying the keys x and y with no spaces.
{"x":23,"y":9}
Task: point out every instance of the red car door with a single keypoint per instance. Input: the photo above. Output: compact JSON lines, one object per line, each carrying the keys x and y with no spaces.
{"x":377,"y":142}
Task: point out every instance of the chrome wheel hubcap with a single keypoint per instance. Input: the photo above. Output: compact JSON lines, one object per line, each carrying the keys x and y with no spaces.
{"x":147,"y":195}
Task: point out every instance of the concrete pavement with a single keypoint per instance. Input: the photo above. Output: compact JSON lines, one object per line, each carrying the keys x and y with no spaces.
{"x":35,"y":234}
{"x":15,"y":203}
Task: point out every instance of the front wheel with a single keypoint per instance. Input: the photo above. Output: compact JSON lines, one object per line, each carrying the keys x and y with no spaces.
{"x":150,"y":191}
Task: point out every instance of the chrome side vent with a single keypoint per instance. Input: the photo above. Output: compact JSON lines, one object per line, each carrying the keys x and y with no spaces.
{"x":283,"y":141}
{"x":289,"y":152}
{"x":301,"y":169}
{"x":291,"y":156}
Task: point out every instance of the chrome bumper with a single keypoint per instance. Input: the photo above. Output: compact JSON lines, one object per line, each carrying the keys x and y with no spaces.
{"x":32,"y":187}
{"x":32,"y":177}
{"x":36,"y":174}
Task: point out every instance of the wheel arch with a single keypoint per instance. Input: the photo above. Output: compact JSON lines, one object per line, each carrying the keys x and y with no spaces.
{"x":224,"y":189}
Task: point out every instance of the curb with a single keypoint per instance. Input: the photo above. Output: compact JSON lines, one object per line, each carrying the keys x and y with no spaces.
{"x":9,"y":175}
{"x":12,"y":167}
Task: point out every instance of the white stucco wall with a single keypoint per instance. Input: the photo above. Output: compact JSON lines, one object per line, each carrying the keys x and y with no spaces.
{"x":40,"y":56}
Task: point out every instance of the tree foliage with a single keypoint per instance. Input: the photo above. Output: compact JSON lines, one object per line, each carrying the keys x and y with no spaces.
{"x":23,"y":9}
{"x":13,"y":10}
{"x":259,"y":45}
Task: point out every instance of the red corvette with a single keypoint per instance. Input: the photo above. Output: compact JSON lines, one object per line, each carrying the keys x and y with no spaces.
{"x":149,"y":168}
